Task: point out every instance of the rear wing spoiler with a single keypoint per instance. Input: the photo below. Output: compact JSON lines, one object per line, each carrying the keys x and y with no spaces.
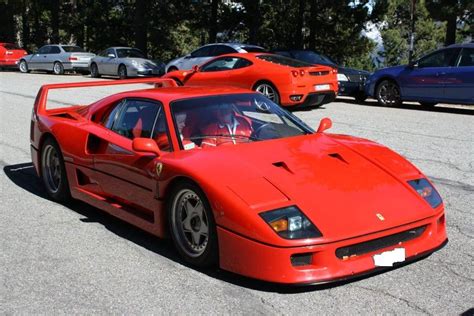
{"x":42,"y":96}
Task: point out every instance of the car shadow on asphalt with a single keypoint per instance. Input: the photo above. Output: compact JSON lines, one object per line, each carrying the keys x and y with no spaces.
{"x":413,"y":107}
{"x":24,"y":176}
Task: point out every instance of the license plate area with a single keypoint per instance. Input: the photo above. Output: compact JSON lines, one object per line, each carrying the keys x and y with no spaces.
{"x":322,"y":87}
{"x":388,"y":258}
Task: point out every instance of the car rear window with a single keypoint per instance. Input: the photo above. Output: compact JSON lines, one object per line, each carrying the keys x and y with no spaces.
{"x":73,"y":49}
{"x":11,"y":46}
{"x":284,"y":61}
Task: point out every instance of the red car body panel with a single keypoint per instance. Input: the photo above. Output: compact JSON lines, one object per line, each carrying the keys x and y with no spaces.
{"x":10,"y":55}
{"x":289,"y":81}
{"x":340,"y":182}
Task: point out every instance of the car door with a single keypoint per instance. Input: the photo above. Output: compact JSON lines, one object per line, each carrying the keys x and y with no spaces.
{"x":215,"y":72}
{"x":424,"y":81}
{"x":459,"y":80}
{"x":106,"y":66}
{"x":53,"y":55}
{"x":126,"y":176}
{"x":37,"y":61}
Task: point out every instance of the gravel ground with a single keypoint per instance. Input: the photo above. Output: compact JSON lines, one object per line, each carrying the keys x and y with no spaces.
{"x":75,"y":259}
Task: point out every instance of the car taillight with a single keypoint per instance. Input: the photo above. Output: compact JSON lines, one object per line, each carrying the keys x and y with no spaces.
{"x":9,"y":52}
{"x":294,"y":73}
{"x":72,"y":58}
{"x":302,"y":72}
{"x":334,"y":70}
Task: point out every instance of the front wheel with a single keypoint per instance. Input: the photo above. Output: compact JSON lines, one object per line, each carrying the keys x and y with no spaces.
{"x":268,"y":90}
{"x":53,"y":171}
{"x":192,"y":225}
{"x":122,"y":72}
{"x":94,"y":71}
{"x":23,"y":67}
{"x":58,"y":68}
{"x":388,"y":93}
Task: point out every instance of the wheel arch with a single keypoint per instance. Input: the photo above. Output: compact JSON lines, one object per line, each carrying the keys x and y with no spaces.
{"x":265,"y":81}
{"x":386,"y":77}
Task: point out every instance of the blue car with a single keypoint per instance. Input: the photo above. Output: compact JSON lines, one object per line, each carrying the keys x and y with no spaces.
{"x":445,"y":75}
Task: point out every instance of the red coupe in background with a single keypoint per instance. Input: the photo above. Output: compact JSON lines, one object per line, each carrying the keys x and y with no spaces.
{"x":283,"y":80}
{"x":10,"y":55}
{"x":238,"y":182}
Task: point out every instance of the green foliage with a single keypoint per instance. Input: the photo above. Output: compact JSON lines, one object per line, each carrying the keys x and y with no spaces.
{"x":396,"y":32}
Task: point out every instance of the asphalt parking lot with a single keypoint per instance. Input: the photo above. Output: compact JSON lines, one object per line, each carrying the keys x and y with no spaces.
{"x":75,"y":259}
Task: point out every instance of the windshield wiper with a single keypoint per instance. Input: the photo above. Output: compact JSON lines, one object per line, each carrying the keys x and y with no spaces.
{"x":224,"y":135}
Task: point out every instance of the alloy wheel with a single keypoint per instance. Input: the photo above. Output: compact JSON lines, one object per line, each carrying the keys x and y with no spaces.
{"x":51,"y":168}
{"x":268,"y":91}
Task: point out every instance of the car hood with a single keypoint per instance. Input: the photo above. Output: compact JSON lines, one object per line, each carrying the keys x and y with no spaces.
{"x":352,"y":71}
{"x":141,"y":61}
{"x":340,"y":184}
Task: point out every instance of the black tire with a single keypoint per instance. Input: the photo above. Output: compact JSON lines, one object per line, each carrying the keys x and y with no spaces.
{"x":53,"y":172}
{"x":172,"y":68}
{"x":23,"y":66}
{"x":428,"y":104}
{"x":94,"y":71}
{"x":260,"y":87}
{"x":122,"y":72}
{"x":360,"y":97}
{"x":58,"y":68}
{"x":387,"y":93}
{"x":204,"y":256}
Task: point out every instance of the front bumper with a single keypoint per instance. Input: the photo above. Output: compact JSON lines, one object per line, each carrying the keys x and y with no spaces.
{"x":273,"y":264}
{"x":350,"y":88}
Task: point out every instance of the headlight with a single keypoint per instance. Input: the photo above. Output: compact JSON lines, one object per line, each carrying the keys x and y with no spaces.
{"x":342,"y":77}
{"x":290,"y":223}
{"x":426,"y":191}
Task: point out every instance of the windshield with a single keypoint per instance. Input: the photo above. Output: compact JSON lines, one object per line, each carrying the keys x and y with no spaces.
{"x":232,"y":119}
{"x":285,"y":61}
{"x":313,"y":58}
{"x":73,"y":49}
{"x":129,"y":52}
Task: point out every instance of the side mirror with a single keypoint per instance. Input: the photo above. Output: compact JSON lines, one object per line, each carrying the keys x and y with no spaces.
{"x":111,"y":55}
{"x":146,"y":145}
{"x":195,"y":68}
{"x":325,"y":124}
{"x":413,"y":65}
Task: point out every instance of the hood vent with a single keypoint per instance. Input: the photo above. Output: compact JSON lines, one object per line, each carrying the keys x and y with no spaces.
{"x":283,"y":165}
{"x":338,"y":156}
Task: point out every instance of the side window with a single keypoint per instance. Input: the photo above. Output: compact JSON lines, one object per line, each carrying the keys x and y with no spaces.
{"x":202,"y":52}
{"x":442,"y":58}
{"x":223,"y":49}
{"x":110,"y":51}
{"x":160,"y":132}
{"x":133,"y":118}
{"x":467,"y":57}
{"x":242,"y":63}
{"x":44,"y":50}
{"x":54,"y":50}
{"x":220,"y":64}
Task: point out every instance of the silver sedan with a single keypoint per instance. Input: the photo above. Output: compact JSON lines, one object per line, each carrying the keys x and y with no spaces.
{"x":206,"y":52}
{"x":124,"y":62}
{"x":57,"y":58}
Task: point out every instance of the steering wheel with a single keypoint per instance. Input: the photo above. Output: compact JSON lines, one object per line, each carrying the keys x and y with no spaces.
{"x":256,"y":132}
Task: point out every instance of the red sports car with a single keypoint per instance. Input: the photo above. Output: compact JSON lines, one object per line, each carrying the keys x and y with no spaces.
{"x":283,"y":80}
{"x":10,"y":54}
{"x":239,"y":182}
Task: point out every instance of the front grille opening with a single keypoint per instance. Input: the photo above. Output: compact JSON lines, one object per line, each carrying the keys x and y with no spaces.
{"x":301,"y":259}
{"x":379,"y":243}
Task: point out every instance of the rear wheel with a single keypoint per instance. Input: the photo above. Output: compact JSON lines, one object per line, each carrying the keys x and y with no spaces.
{"x":268,"y":90}
{"x":122,"y":72}
{"x":192,"y":225}
{"x":95,"y":71}
{"x":58,"y":68}
{"x":53,"y":171}
{"x":23,"y":66}
{"x":388,"y":93}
